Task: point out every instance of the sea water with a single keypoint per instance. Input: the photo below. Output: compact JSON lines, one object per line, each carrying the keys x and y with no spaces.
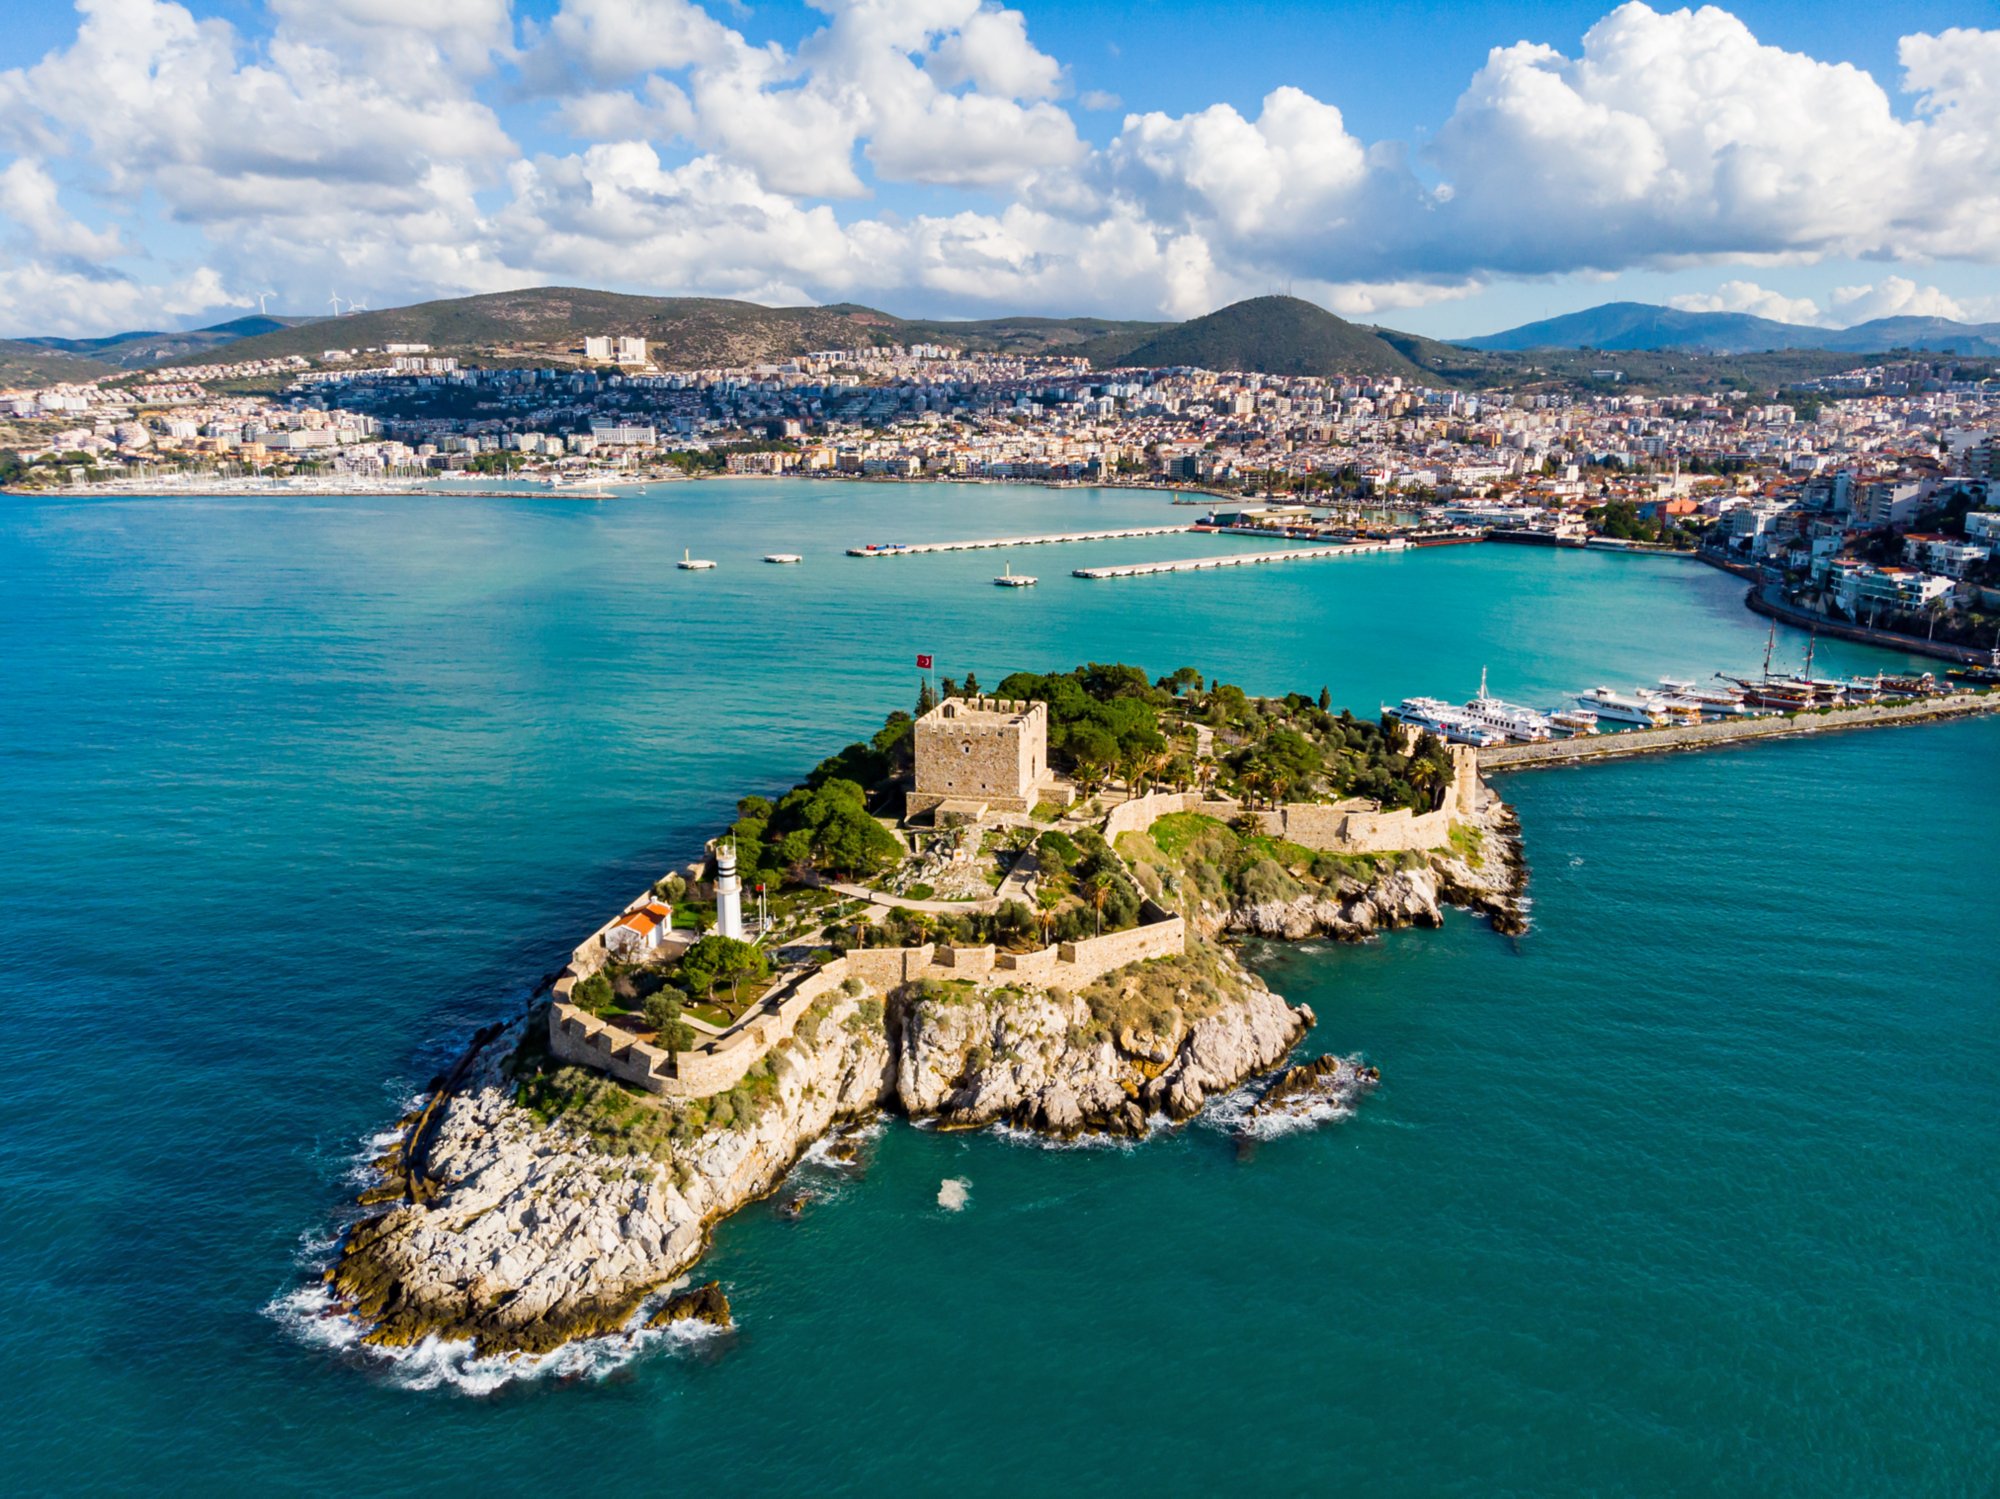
{"x":1694,"y":1187}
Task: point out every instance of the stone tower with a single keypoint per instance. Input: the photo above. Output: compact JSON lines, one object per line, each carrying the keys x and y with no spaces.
{"x":728,"y":893}
{"x":975,"y":755}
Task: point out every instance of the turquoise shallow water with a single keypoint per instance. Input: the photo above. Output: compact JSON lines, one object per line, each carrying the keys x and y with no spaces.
{"x":1692,"y":1188}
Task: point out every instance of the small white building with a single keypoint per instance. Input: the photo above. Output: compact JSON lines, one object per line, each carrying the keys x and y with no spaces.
{"x":640,"y":931}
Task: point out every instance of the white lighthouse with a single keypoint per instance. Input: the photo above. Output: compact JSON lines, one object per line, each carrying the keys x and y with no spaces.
{"x":728,"y":893}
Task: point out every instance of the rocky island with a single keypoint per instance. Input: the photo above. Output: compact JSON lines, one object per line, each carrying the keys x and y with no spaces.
{"x":1015,"y":907}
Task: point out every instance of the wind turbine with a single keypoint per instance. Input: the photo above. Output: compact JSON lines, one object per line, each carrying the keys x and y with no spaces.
{"x":335,"y":301}
{"x":262,"y":298}
{"x":353,"y":307}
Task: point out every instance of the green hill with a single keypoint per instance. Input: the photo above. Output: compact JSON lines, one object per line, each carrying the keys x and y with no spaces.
{"x":1269,"y":335}
{"x":681,"y":332}
{"x":142,"y":349}
{"x":28,"y":365}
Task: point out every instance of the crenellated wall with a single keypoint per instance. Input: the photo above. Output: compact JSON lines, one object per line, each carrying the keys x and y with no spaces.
{"x":581,"y":1038}
{"x":1350,"y":827}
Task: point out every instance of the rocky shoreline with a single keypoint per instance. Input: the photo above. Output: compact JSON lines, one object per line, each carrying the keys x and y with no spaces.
{"x":1411,"y":891}
{"x":521,"y":1230}
{"x":522,"y":1234}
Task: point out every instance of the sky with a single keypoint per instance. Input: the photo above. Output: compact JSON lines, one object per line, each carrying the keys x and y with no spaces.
{"x":1450,"y":169}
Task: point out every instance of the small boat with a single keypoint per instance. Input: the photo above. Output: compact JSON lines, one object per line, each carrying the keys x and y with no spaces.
{"x":783,"y":557}
{"x":1574,"y":721}
{"x":690,"y":563}
{"x":1011,"y":579}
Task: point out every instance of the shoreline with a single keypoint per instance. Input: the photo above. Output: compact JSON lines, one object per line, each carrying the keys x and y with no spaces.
{"x":1757,"y":601}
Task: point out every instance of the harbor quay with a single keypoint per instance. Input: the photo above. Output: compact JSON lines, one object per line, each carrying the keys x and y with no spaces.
{"x":1239,"y":559}
{"x":988,"y":543}
{"x":1560,"y":752}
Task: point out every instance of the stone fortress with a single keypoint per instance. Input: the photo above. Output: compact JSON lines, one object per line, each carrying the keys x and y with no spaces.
{"x":975,"y":759}
{"x":981,"y":755}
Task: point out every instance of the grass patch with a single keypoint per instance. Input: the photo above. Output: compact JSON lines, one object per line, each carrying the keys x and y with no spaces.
{"x":1467,"y":842}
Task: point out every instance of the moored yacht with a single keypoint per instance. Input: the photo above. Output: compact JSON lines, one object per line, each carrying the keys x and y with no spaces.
{"x":1507,"y":718}
{"x":1619,"y":708}
{"x":1447,"y":722}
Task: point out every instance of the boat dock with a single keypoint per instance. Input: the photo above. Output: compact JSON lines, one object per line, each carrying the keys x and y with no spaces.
{"x":1237,"y":559}
{"x":988,"y":543}
{"x":1693,"y":736}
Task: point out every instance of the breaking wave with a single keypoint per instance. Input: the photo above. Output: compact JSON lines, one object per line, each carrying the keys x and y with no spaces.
{"x":313,"y":1316}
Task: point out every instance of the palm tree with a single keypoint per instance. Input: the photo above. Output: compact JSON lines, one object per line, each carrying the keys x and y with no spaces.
{"x":1100,"y":888}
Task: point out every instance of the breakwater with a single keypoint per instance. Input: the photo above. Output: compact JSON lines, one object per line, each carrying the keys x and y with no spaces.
{"x":1733,"y":731}
{"x":1238,"y":559}
{"x":987,"y":543}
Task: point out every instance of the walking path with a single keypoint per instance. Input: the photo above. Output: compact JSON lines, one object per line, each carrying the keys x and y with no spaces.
{"x":1732,"y":731}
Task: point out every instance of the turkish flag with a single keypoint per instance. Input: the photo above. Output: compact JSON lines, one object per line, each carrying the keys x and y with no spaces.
{"x":924,"y":662}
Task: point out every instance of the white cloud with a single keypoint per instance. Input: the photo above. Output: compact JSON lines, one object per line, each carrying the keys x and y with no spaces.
{"x":364,"y":140}
{"x":990,"y":50}
{"x":1893,"y":296}
{"x":1748,"y":296}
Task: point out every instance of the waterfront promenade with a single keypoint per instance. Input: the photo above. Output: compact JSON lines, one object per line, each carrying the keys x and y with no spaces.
{"x":1733,"y":731}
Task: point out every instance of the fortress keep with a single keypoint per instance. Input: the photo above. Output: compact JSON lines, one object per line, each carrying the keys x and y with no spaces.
{"x":980,"y":755}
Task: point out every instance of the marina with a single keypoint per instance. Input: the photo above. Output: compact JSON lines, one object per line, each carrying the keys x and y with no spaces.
{"x":1714,"y":732}
{"x":1239,"y":559}
{"x":988,"y":543}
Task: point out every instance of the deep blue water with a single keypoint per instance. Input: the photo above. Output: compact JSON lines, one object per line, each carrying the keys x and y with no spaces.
{"x":1693,"y":1188}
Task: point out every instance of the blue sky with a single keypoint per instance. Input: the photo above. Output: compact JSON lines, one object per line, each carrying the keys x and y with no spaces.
{"x":1450,"y":169}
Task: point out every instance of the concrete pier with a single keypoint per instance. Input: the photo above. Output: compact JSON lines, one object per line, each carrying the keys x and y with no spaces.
{"x":1734,"y":731}
{"x":1238,"y":559}
{"x":988,"y":543}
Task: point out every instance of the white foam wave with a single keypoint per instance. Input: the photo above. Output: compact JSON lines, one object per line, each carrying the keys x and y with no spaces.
{"x":953,"y":1193}
{"x":1233,"y":1114}
{"x":314,"y":1316}
{"x":1014,"y":1134}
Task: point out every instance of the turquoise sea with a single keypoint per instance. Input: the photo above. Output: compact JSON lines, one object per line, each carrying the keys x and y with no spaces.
{"x":1695,"y":1188}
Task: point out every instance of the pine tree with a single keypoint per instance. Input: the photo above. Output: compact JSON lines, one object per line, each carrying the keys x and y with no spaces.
{"x":926,"y":699}
{"x":1325,"y":700}
{"x":947,"y":688}
{"x":971,"y":685}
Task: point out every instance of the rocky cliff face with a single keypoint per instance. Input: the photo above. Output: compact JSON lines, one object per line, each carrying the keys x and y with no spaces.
{"x":1490,"y":882}
{"x":1065,"y":1063}
{"x":522,"y":1234}
{"x":525,"y":1235}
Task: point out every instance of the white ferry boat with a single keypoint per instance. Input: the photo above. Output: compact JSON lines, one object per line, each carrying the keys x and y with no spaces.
{"x":1619,"y":708}
{"x":783,"y":558}
{"x":1011,"y":579}
{"x":690,"y":563}
{"x":1447,"y":722}
{"x":1506,"y":718}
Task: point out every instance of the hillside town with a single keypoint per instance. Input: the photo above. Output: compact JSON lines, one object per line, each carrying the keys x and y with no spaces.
{"x":1862,"y":497}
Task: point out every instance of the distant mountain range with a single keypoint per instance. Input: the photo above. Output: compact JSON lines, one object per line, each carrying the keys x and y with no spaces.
{"x":24,"y":360}
{"x":1620,"y":326}
{"x":1280,"y":335}
{"x":1656,"y":346}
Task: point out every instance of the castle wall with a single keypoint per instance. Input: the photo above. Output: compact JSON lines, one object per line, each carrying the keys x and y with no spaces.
{"x":581,"y":1038}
